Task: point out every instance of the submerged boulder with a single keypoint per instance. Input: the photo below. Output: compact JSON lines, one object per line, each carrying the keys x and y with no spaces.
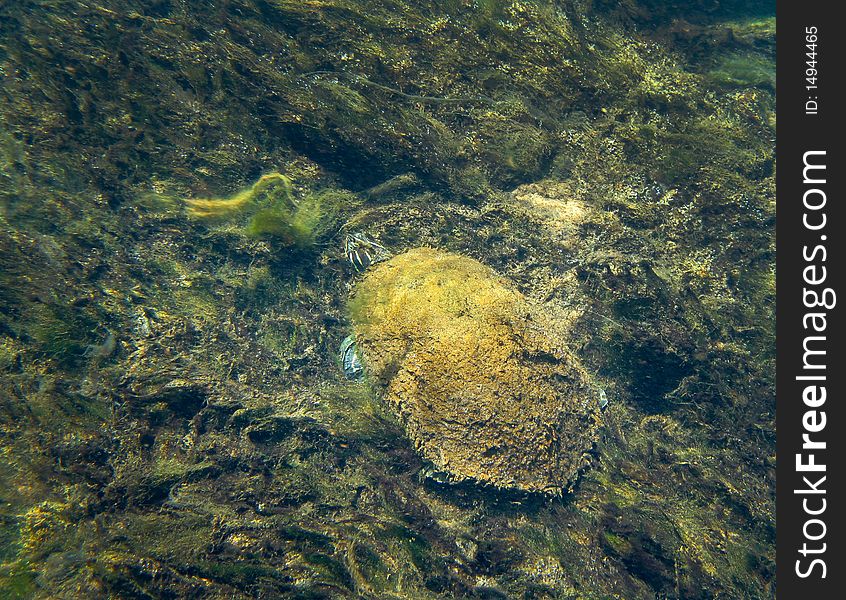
{"x":478,"y":374}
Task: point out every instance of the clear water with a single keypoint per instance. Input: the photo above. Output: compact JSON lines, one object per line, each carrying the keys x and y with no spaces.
{"x":177,"y":182}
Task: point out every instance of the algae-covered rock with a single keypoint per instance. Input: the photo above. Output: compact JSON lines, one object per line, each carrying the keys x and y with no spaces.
{"x":478,"y":374}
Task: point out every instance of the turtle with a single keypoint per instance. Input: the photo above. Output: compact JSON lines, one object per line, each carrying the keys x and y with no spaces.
{"x":362,"y":252}
{"x":350,"y":361}
{"x":476,"y":372}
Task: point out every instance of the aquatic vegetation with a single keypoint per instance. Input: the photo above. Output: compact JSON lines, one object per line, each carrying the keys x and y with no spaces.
{"x":309,"y":220}
{"x":18,"y":581}
{"x":61,"y":332}
{"x":274,"y":212}
{"x":744,"y":70}
{"x":9,"y":352}
{"x":449,"y":341}
{"x":354,"y":411}
{"x":211,"y":446}
{"x":516,"y":150}
{"x":397,"y":185}
{"x":217,"y":208}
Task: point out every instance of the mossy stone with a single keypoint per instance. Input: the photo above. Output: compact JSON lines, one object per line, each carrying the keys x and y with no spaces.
{"x":479,"y":374}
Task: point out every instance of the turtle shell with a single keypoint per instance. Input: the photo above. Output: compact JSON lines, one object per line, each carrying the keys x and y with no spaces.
{"x":478,"y":374}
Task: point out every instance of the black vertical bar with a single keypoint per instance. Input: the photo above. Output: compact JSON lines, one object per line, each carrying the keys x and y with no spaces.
{"x":810,"y":232}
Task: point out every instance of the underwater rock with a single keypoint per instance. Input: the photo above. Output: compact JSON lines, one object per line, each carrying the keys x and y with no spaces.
{"x":478,"y":374}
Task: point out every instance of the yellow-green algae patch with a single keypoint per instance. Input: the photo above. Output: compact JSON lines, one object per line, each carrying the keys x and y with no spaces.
{"x":479,"y":375}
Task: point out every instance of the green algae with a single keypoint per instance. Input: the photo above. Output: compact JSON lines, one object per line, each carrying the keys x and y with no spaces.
{"x":273,"y":188}
{"x":61,"y":332}
{"x":314,"y":218}
{"x":273,"y":212}
{"x":18,"y":582}
{"x":744,"y":70}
